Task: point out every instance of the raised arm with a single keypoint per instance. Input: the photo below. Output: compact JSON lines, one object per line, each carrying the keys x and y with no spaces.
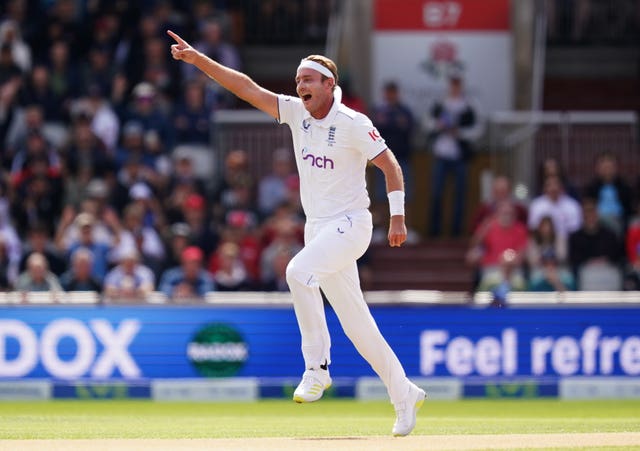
{"x":236,"y":82}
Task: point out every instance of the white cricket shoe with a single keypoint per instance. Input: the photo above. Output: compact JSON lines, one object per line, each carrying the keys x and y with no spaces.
{"x":406,"y":411}
{"x":312,"y":386}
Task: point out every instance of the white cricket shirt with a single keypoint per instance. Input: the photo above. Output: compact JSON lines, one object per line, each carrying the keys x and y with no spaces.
{"x":331,"y":155}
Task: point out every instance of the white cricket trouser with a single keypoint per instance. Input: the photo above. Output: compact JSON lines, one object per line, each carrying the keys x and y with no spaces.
{"x":328,"y":260}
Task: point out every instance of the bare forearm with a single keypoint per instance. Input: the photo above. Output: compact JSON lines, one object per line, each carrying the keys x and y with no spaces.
{"x":236,"y":82}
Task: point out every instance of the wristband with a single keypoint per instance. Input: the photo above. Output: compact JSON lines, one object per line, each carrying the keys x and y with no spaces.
{"x":396,"y":203}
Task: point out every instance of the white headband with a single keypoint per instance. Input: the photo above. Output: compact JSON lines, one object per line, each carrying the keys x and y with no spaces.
{"x":308,"y":64}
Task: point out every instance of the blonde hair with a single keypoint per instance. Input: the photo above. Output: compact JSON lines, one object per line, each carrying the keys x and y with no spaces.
{"x":326,"y":62}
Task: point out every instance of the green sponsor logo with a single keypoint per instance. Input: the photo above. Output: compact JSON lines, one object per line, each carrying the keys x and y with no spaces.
{"x":217,"y":350}
{"x":526,"y":389}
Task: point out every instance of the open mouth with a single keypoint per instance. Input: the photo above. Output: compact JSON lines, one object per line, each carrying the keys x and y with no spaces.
{"x":306,"y":97}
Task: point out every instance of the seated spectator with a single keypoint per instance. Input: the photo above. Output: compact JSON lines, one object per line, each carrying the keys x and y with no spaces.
{"x":231,"y":273}
{"x":38,"y":194}
{"x":551,"y":167}
{"x":192,"y":117}
{"x":632,"y":247}
{"x":177,"y":240}
{"x":612,"y":193}
{"x":143,"y":237}
{"x":106,"y":226}
{"x":8,"y":273}
{"x":595,"y":250}
{"x":276,"y":278}
{"x":85,"y":223}
{"x":547,"y":256}
{"x":78,"y":277}
{"x":189,"y":281}
{"x":194,"y":211}
{"x":284,"y":245}
{"x":240,"y":229}
{"x":129,"y":281}
{"x":501,"y":191}
{"x":39,"y":240}
{"x":499,"y":247}
{"x":272,"y":188}
{"x":37,"y":276}
{"x":564,"y":210}
{"x":283,"y":212}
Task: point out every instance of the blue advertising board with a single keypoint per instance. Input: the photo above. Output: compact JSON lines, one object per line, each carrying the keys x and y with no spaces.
{"x":102,"y":343}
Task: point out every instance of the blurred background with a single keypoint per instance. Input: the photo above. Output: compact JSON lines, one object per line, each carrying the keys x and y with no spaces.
{"x":129,"y":178}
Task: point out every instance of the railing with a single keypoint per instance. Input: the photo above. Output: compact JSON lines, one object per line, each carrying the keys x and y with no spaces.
{"x":252,"y":131}
{"x":520,"y":141}
{"x":382,"y":297}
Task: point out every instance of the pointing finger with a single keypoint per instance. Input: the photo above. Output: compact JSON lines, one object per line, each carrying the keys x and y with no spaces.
{"x":177,"y":38}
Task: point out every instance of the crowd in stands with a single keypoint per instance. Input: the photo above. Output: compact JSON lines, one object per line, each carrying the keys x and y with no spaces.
{"x":94,"y":195}
{"x":564,"y":239}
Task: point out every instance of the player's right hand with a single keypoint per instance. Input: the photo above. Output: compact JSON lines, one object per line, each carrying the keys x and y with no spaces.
{"x":182,"y":50}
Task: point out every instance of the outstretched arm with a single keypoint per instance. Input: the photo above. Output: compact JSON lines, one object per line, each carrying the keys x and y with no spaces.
{"x":236,"y":82}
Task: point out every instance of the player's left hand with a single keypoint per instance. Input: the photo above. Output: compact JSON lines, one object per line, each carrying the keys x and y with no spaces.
{"x":397,"y":231}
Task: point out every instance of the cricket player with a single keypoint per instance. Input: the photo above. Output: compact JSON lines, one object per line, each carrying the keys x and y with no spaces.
{"x":332,"y":144}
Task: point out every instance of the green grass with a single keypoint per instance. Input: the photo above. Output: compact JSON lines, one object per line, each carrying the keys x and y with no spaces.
{"x":327,"y":418}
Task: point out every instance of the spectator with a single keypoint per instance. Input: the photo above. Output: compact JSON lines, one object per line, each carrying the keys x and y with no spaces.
{"x":9,"y":69}
{"x":129,"y":281}
{"x":35,"y":146}
{"x":551,"y":167}
{"x":38,"y":240}
{"x":27,"y":121}
{"x":240,"y":229}
{"x":159,"y":72}
{"x":39,"y":91}
{"x":141,"y":236}
{"x":79,"y":276}
{"x":235,"y":172}
{"x":547,"y":258}
{"x":178,"y":239}
{"x":144,"y":111}
{"x":499,"y":248}
{"x":272,"y":188}
{"x":85,"y":224}
{"x":20,"y":51}
{"x":85,"y":157}
{"x":454,"y":124}
{"x":563,"y":209}
{"x":11,"y":240}
{"x":97,"y":69}
{"x":595,"y":252}
{"x":612,"y":193}
{"x":285,"y":243}
{"x":65,"y":75}
{"x":38,"y":194}
{"x":395,"y":122}
{"x":189,"y":281}
{"x":213,"y":44}
{"x":501,"y":191}
{"x":105,"y":124}
{"x":230,"y":273}
{"x":285,"y":212}
{"x":191,"y":118}
{"x":37,"y":276}
{"x":632,"y":248}
{"x":106,"y":224}
{"x":8,"y":270}
{"x":195,"y":215}
{"x":182,"y":182}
